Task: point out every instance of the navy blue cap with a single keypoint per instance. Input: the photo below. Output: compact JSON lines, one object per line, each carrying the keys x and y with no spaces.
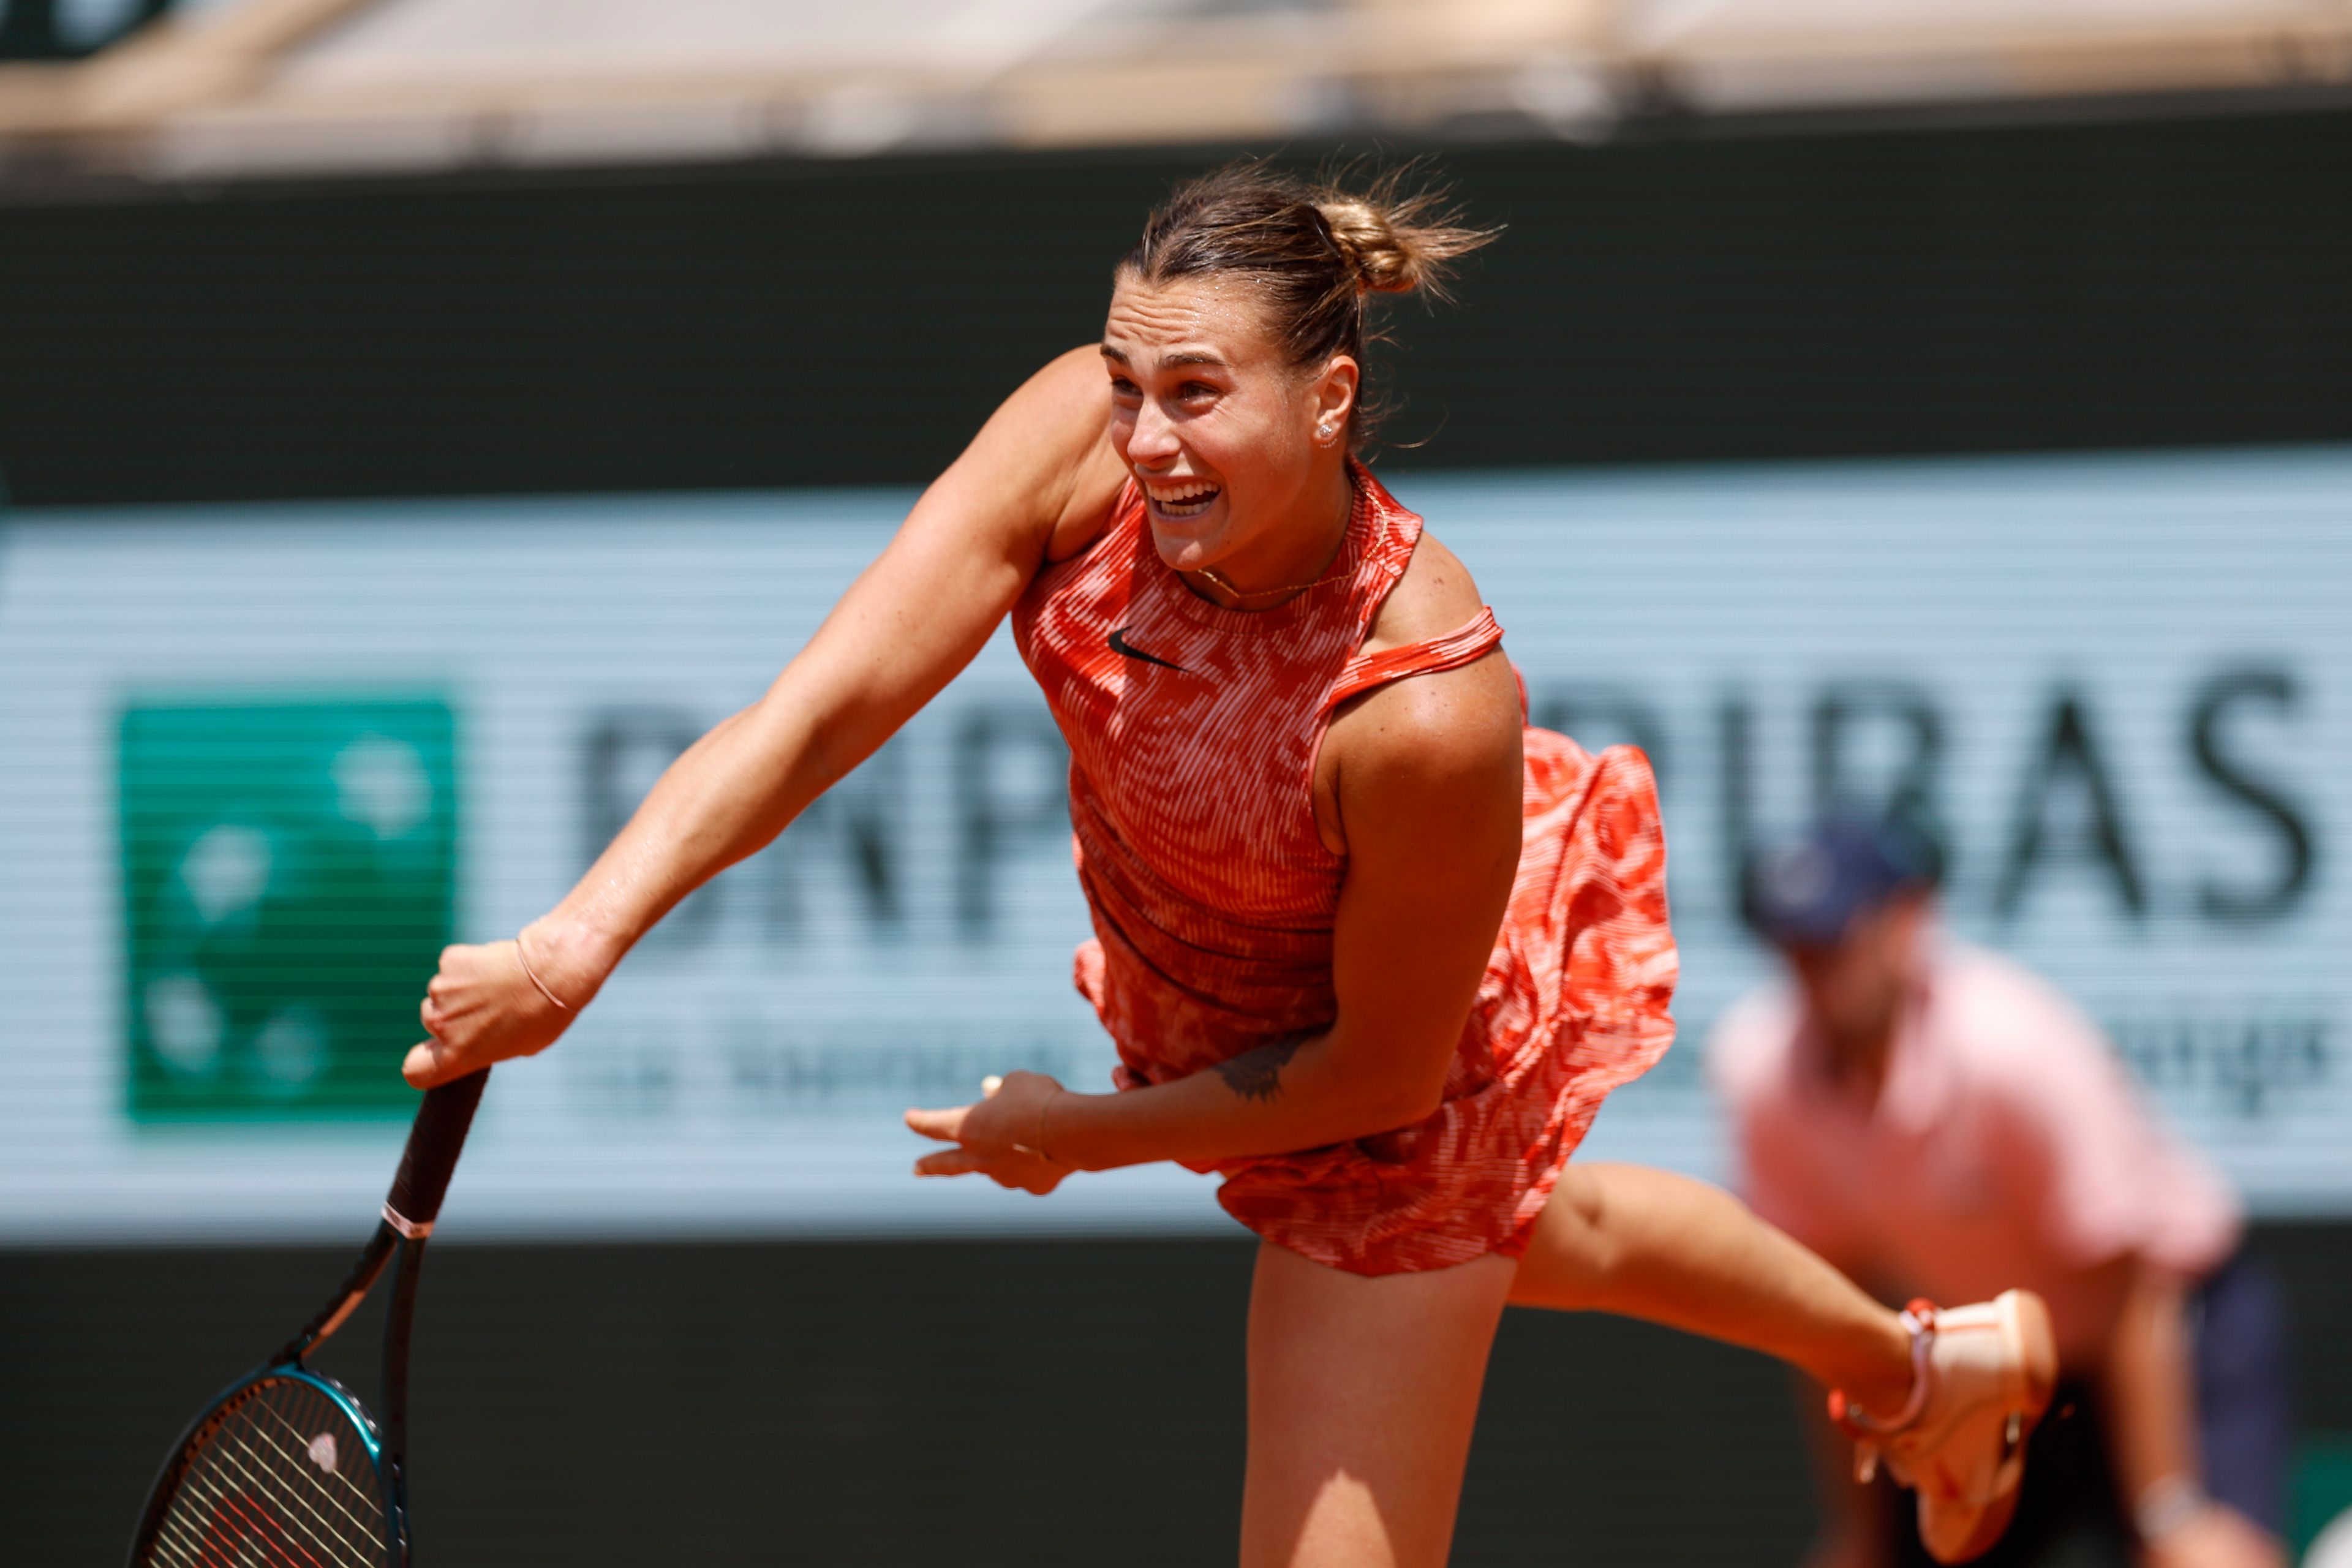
{"x":1806,"y":892}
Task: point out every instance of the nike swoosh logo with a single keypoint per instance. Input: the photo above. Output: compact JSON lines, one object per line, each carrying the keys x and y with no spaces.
{"x":1119,"y":644}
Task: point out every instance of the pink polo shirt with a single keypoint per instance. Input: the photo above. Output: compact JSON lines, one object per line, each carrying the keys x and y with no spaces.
{"x":2008,"y":1147}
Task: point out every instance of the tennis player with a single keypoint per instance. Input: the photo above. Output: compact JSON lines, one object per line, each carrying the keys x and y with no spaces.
{"x":1369,"y":947}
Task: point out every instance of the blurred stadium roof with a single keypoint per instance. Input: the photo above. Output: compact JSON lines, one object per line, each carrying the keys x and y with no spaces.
{"x":228,"y":89}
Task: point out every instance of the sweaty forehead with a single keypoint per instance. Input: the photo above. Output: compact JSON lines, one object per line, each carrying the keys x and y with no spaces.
{"x":1184,"y":320}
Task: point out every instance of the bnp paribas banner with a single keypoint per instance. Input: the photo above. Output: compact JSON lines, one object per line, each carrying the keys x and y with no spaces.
{"x":258,"y":765}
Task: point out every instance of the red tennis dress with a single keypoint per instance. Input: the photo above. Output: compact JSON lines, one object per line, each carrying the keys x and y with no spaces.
{"x":1193,"y":731}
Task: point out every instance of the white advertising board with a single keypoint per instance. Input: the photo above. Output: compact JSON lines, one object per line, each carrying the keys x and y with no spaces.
{"x":2117,"y":682}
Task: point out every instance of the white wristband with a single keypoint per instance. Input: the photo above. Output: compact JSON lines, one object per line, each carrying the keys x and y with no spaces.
{"x":2167,"y":1505}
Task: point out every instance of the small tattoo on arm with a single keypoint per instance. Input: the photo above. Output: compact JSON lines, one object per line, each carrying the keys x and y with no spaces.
{"x":1257,"y":1075}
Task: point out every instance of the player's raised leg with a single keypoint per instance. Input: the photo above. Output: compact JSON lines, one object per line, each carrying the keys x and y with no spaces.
{"x":1650,"y":1243}
{"x":1362,"y":1394}
{"x":1948,"y":1396}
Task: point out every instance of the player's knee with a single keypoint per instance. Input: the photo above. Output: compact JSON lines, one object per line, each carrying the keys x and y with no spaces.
{"x":1570,"y":1257}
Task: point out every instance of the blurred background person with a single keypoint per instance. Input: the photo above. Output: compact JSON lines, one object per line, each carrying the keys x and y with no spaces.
{"x":1932,"y":1117}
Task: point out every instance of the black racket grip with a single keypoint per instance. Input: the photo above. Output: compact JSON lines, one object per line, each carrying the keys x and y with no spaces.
{"x":431,"y":1158}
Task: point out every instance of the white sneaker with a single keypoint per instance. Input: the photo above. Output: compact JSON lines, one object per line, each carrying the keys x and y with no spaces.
{"x":1981,"y":1377}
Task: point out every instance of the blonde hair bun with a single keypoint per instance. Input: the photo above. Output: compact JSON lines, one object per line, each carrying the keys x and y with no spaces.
{"x":1394,"y":239}
{"x":1383,"y":261}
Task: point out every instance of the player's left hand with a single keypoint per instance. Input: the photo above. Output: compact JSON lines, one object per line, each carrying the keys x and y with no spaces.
{"x":2216,"y":1537}
{"x":995,"y":1135}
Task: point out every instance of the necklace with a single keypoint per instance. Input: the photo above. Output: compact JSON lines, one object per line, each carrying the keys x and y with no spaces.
{"x":1226,"y":583}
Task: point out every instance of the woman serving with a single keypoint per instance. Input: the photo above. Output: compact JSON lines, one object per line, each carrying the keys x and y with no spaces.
{"x":1368,"y":946}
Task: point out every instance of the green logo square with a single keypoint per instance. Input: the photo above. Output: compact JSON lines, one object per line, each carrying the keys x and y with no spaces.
{"x":288,"y":872}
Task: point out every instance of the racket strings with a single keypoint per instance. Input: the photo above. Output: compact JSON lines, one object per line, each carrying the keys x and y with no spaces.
{"x":364,"y":1495}
{"x":242,"y":1536}
{"x":272,"y":1465}
{"x":247,"y":1499}
{"x":232,"y":1523}
{"x":235,"y":1529}
{"x":256,"y":1466}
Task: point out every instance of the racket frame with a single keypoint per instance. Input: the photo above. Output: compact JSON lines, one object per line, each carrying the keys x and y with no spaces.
{"x":165,"y":1490}
{"x":426,"y":1163}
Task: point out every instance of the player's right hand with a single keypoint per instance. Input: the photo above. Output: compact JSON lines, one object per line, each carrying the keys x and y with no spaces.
{"x":480,"y":1008}
{"x":2216,"y":1537}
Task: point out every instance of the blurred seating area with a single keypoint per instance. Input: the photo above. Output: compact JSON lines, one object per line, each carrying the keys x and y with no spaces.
{"x":232,"y":88}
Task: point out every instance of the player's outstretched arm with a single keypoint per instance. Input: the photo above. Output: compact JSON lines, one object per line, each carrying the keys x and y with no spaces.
{"x":1429,"y":795}
{"x":1036,"y":483}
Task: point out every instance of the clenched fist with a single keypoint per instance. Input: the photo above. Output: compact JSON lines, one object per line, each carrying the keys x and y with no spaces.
{"x":484,"y":1007}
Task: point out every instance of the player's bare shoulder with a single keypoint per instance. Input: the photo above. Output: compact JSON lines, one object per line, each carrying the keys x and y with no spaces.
{"x":1046,"y":452}
{"x":1432,"y":734}
{"x":1470,"y":712}
{"x":1435,"y":595}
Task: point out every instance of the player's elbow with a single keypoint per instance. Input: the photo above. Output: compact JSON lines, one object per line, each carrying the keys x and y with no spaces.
{"x":1375,"y":1103}
{"x":1419,"y":1109}
{"x":1383,"y":1077}
{"x":1426,"y":1095}
{"x":1402,"y":1099}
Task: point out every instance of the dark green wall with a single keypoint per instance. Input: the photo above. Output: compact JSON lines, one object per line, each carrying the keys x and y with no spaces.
{"x":2088,"y":285}
{"x":1064,"y":1405}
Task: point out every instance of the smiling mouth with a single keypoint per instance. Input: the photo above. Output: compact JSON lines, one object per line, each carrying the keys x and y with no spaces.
{"x":1177,"y":501}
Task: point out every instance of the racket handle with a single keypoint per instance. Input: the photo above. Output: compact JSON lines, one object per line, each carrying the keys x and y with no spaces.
{"x":431,"y":1157}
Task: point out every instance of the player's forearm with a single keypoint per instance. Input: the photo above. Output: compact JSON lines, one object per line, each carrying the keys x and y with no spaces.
{"x":1276,"y":1099}
{"x":724,"y":798}
{"x":2148,"y":1387}
{"x":879,"y":656}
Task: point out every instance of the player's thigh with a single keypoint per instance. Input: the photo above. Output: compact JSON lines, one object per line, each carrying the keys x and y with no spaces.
{"x":1569,"y":1252}
{"x":1362,"y":1394}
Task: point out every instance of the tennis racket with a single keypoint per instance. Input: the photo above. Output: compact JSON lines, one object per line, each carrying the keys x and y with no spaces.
{"x":287,"y":1469}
